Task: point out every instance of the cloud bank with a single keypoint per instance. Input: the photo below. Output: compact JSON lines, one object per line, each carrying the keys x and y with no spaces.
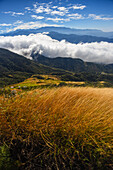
{"x":41,"y":43}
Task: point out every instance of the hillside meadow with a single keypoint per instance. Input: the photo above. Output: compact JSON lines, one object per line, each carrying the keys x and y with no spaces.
{"x":57,"y":128}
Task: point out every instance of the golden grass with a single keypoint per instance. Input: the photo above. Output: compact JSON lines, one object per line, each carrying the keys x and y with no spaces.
{"x":73,"y":121}
{"x":75,"y":82}
{"x":35,"y":82}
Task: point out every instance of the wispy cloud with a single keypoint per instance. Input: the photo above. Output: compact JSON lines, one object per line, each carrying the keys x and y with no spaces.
{"x":17,"y":22}
{"x":54,"y":7}
{"x":14,"y":13}
{"x":61,"y":13}
{"x":9,"y":26}
{"x":81,"y":7}
{"x":5,"y":25}
{"x":28,"y":8}
{"x":58,"y":19}
{"x":75,"y":16}
{"x":99,"y":17}
{"x":64,"y":9}
{"x":30,"y":25}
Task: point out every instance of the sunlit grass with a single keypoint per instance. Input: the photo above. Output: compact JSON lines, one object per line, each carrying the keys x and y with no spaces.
{"x":35,"y":82}
{"x":71,"y":126}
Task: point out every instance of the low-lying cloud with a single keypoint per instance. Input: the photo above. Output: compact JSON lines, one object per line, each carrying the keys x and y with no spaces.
{"x":27,"y":45}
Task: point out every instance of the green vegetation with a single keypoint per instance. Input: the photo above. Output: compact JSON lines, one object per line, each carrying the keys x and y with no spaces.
{"x":6,"y":162}
{"x":50,"y":81}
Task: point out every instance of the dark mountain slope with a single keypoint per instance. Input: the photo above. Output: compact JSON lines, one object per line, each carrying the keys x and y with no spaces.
{"x":83,"y":71}
{"x":74,"y":65}
{"x":15,"y":68}
{"x":70,"y":64}
{"x":12,"y":62}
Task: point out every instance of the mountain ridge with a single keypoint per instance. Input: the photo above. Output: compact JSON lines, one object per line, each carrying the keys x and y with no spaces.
{"x":63,"y":30}
{"x":10,"y":61}
{"x":15,"y":68}
{"x":73,"y":64}
{"x":74,"y":38}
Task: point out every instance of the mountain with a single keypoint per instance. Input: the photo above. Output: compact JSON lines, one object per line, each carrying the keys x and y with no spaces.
{"x":81,"y":71}
{"x":12,"y":62}
{"x":62,"y":30}
{"x":15,"y":68}
{"x":74,"y":65}
{"x":73,"y":38}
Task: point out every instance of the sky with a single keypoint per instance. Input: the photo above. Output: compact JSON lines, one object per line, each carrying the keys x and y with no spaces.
{"x":30,"y":14}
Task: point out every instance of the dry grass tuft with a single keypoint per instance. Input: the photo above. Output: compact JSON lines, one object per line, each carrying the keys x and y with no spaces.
{"x":63,"y":128}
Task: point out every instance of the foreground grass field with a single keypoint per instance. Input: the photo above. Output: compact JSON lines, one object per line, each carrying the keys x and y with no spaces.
{"x":58,"y":128}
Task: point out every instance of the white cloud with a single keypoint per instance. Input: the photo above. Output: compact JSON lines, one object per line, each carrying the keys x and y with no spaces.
{"x":50,"y":2}
{"x":39,"y":9}
{"x":75,"y":16}
{"x":99,"y":17}
{"x":42,"y":9}
{"x":61,"y":13}
{"x":17,"y":22}
{"x":37,"y":17}
{"x":26,"y":45}
{"x":47,"y":10}
{"x":62,"y":8}
{"x":54,"y":7}
{"x":14,"y":13}
{"x":31,"y":25}
{"x":5,"y":25}
{"x":28,"y":25}
{"x":35,"y":5}
{"x":81,"y":7}
{"x":28,"y":8}
{"x":58,"y":19}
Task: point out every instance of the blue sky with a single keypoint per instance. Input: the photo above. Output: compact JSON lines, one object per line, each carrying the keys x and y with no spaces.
{"x":27,"y":14}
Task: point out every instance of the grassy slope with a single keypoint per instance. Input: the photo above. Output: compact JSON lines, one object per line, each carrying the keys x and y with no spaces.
{"x":47,"y":81}
{"x":59,"y":128}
